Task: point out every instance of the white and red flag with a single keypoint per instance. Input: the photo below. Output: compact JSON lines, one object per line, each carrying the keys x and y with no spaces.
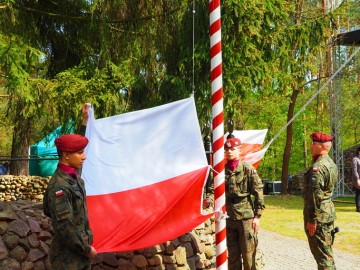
{"x":251,"y":144}
{"x":144,"y":175}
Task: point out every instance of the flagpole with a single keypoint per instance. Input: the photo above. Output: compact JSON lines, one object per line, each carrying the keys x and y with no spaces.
{"x":218,"y":133}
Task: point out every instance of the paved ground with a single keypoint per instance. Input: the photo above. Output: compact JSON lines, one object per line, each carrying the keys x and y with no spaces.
{"x":286,"y":253}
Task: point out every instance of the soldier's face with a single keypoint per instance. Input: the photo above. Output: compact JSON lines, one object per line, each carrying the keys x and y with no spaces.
{"x":75,"y":159}
{"x":316,"y":148}
{"x":232,"y":153}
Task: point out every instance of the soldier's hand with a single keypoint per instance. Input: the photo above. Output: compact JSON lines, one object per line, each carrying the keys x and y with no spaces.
{"x":85,"y":113}
{"x":206,"y":203}
{"x":256,"y":224}
{"x":92,"y":253}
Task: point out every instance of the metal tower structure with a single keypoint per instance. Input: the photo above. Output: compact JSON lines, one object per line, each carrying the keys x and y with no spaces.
{"x":335,"y":96}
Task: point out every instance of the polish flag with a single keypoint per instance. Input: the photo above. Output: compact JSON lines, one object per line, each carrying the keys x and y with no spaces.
{"x":144,"y":175}
{"x":251,"y":143}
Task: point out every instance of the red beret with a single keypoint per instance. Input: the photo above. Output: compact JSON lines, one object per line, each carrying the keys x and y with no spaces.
{"x":232,"y":142}
{"x":71,"y":142}
{"x":321,"y":137}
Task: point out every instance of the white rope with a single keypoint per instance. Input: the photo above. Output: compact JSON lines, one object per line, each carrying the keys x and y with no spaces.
{"x":313,"y":97}
{"x":216,"y":172}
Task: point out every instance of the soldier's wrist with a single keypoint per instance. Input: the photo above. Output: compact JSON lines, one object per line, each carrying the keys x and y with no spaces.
{"x":87,"y":250}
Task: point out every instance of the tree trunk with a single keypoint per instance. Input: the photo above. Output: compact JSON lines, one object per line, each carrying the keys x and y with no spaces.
{"x":20,"y":146}
{"x":287,"y":149}
{"x":305,"y":144}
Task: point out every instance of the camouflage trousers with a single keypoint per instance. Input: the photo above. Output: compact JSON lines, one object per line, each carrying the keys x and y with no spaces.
{"x":320,"y":246}
{"x":65,"y":259}
{"x":242,"y":244}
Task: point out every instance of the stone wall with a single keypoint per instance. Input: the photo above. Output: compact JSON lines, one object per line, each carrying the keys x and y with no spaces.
{"x":13,"y":188}
{"x":25,"y":232}
{"x":25,"y":236}
{"x":348,"y":155}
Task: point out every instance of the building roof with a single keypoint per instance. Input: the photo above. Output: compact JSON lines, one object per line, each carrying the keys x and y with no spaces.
{"x":351,"y":38}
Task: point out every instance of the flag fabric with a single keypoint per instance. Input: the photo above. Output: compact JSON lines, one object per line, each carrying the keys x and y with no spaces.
{"x":145,"y":174}
{"x":251,"y":143}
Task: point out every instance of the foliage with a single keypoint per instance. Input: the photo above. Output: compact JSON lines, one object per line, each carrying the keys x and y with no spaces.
{"x":123,"y":56}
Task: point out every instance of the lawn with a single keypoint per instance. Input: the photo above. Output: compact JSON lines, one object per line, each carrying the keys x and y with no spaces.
{"x":283,"y":215}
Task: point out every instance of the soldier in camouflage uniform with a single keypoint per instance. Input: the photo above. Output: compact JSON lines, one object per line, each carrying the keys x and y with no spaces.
{"x":319,"y":211}
{"x":242,"y":183}
{"x":64,"y":203}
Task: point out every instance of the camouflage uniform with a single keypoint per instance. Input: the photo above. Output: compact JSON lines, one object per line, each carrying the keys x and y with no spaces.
{"x":240,"y":185}
{"x":320,"y":181}
{"x":64,"y":203}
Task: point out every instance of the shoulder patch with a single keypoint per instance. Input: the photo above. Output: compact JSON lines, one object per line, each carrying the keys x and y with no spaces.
{"x":315,"y":169}
{"x":59,"y":193}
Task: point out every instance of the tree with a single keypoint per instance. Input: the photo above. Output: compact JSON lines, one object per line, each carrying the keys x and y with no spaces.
{"x":115,"y":69}
{"x":129,"y":55}
{"x":19,"y":63}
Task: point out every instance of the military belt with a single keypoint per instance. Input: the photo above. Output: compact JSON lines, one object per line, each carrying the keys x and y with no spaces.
{"x":235,"y":200}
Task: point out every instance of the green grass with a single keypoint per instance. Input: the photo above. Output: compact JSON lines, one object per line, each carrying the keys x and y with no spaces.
{"x":283,"y":215}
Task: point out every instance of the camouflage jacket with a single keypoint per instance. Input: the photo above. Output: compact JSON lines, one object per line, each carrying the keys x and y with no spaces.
{"x":244,"y":192}
{"x":64,"y":203}
{"x":319,"y":184}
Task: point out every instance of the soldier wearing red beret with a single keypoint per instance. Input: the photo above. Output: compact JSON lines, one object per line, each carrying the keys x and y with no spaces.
{"x":244,"y":204}
{"x":321,"y":137}
{"x":64,"y":203}
{"x":319,"y":211}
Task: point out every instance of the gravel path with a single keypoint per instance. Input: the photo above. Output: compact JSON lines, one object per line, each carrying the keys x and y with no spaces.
{"x":287,"y":253}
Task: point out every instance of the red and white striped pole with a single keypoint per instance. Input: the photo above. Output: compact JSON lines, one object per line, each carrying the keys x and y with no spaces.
{"x":218,"y":133}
